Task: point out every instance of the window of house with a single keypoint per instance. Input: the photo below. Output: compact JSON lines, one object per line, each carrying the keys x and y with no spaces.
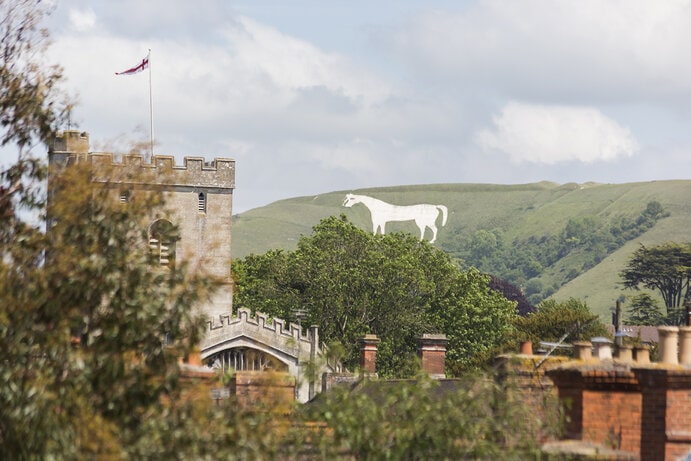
{"x":201,"y":204}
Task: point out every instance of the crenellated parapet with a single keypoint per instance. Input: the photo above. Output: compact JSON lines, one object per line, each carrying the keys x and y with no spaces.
{"x":275,"y":332}
{"x":162,"y":171}
{"x":69,"y":142}
{"x":71,"y":145}
{"x":244,"y":334}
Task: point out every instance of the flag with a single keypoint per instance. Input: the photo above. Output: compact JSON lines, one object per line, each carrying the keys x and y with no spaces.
{"x":136,"y":69}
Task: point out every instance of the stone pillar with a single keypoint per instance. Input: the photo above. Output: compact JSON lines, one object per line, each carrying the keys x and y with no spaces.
{"x":668,"y":344}
{"x":583,"y":350}
{"x":432,"y":352}
{"x":368,"y":353}
{"x":314,"y":345}
{"x":685,"y":345}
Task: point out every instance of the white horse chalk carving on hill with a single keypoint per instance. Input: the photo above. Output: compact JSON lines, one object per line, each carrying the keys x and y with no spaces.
{"x":424,"y":215}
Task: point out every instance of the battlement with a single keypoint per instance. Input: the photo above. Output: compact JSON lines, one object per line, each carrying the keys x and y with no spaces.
{"x":244,"y":321}
{"x":70,"y":142}
{"x":133,"y":169}
{"x":162,"y":170}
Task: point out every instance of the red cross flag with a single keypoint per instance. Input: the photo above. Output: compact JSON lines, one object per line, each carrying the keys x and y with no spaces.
{"x":136,"y":69}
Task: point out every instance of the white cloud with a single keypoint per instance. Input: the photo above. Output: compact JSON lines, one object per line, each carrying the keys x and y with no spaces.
{"x":559,"y":49}
{"x":82,"y":20}
{"x":303,"y":116}
{"x":555,"y":134}
{"x":294,"y":64}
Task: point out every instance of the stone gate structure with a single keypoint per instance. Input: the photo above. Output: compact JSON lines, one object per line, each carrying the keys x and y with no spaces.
{"x":244,"y":342}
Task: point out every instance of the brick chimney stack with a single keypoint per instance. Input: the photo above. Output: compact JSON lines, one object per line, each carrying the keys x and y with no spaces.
{"x":368,"y":353}
{"x":432,"y":352}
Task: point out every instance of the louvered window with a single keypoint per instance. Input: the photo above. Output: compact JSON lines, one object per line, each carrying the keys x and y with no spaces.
{"x":162,"y":242}
{"x":201,"y":204}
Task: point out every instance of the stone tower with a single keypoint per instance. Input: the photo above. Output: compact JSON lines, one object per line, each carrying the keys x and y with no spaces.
{"x":199,"y":200}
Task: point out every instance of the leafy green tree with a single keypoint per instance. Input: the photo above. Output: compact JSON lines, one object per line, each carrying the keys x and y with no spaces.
{"x":85,"y":369}
{"x":92,"y":329}
{"x":644,"y":310}
{"x":579,"y":231}
{"x":665,"y":268}
{"x":350,"y":283}
{"x":484,"y":245}
{"x":553,"y":321}
{"x":418,"y":419}
{"x":31,"y":103}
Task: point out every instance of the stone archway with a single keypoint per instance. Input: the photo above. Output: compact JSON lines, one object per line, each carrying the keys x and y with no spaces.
{"x":244,"y":342}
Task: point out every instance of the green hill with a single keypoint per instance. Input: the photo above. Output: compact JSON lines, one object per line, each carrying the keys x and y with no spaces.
{"x":520,"y":215}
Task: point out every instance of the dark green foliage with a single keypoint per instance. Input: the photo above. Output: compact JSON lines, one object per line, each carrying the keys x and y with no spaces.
{"x":424,"y":420}
{"x":644,"y":310}
{"x":83,"y":332}
{"x":351,"y":283}
{"x":525,"y":260}
{"x":554,"y":321}
{"x":665,"y":268}
{"x":512,"y":293}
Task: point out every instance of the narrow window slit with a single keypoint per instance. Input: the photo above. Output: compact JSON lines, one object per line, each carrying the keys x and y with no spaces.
{"x":202,"y":202}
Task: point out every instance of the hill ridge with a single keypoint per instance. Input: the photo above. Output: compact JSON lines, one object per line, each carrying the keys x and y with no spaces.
{"x":515,"y":211}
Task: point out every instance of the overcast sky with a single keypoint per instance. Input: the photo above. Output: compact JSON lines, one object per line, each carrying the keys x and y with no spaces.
{"x":312,"y":96}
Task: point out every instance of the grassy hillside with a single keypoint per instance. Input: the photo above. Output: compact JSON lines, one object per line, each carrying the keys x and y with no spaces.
{"x":515,"y":211}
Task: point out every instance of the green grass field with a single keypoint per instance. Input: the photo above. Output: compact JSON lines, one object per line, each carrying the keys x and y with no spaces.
{"x":519,"y":211}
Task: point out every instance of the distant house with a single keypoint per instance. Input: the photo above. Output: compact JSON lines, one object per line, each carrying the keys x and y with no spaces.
{"x":646,"y":333}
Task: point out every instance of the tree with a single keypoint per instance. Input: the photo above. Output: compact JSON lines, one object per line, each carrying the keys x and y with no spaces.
{"x":644,"y":310}
{"x":419,"y":419}
{"x":553,"y":321}
{"x":512,"y":293}
{"x":350,"y":283}
{"x":29,"y":102}
{"x":85,"y":369}
{"x":665,"y":268}
{"x":92,"y":327}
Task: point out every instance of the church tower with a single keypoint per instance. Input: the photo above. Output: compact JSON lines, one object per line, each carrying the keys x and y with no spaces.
{"x":199,"y":201}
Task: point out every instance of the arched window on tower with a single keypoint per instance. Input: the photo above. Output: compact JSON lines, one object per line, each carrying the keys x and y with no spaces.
{"x":201,"y":204}
{"x":162,"y":238}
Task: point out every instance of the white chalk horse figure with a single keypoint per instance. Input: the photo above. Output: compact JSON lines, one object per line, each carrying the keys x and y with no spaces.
{"x":424,"y":215}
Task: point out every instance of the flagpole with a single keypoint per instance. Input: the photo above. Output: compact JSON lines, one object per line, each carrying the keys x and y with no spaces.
{"x":151,"y":109}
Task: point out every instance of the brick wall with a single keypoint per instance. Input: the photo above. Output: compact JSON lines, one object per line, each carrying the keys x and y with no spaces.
{"x":640,"y":409}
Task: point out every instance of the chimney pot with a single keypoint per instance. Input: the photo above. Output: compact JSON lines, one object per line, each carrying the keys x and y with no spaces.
{"x":668,"y":344}
{"x":642,"y":354}
{"x":603,"y":348}
{"x":527,"y":347}
{"x":685,"y":345}
{"x":584,"y":350}
{"x":625,"y":353}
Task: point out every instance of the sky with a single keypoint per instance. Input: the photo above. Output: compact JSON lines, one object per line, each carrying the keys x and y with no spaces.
{"x":314,"y":96}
